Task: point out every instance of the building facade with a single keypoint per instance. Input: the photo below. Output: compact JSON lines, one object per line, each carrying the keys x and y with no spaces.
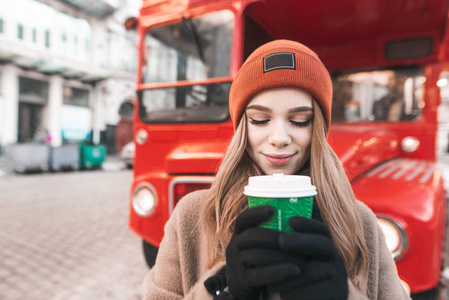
{"x":67,"y":68}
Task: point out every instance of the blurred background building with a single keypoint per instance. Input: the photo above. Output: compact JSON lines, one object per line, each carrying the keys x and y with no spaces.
{"x":67,"y":71}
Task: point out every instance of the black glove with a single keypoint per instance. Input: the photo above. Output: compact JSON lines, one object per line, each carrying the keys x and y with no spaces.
{"x":253,"y":256}
{"x":216,"y":285}
{"x":323,"y":275}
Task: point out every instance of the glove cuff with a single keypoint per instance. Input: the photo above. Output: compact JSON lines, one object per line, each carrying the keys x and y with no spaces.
{"x":217,"y":287}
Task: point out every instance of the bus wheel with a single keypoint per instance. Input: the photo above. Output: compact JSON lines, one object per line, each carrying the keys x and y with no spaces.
{"x":150,"y":253}
{"x":431,"y":294}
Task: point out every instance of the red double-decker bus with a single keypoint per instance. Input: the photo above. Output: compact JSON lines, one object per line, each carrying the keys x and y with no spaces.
{"x":385,"y":59}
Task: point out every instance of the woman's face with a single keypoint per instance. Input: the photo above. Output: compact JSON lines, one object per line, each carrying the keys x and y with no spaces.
{"x":279,"y":125}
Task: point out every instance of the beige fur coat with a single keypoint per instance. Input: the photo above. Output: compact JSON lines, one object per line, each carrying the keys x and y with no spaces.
{"x":181,"y":264}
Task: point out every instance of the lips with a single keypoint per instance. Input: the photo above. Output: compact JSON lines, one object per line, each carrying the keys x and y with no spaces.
{"x":278,"y":159}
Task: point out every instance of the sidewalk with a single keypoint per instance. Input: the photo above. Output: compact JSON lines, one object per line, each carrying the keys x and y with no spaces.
{"x":111,"y":163}
{"x":65,"y":236}
{"x":4,"y":170}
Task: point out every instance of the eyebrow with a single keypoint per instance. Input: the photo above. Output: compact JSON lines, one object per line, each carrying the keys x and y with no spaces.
{"x":292,"y":110}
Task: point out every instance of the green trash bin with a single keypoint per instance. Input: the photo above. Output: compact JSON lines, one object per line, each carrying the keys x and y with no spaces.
{"x":92,"y":156}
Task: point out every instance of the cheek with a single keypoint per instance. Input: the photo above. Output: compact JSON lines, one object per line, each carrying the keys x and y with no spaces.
{"x":304,"y":138}
{"x":309,"y":137}
{"x":255,"y":137}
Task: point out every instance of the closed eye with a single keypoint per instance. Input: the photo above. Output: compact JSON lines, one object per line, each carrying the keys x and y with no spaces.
{"x":258,"y":122}
{"x":302,"y":124}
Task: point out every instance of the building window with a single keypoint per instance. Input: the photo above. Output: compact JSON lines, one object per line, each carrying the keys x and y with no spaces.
{"x":75,"y":45}
{"x":20,"y":31}
{"x":87,"y":45}
{"x":1,"y":26}
{"x":47,"y":38}
{"x":75,"y":96}
{"x":126,"y":110}
{"x":34,"y":35}
{"x":64,"y":37}
{"x":33,"y":91}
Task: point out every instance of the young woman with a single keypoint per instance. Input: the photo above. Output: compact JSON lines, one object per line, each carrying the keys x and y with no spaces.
{"x":280,"y":104}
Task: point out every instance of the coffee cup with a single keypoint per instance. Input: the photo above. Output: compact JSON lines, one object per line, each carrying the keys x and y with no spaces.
{"x":290,"y":195}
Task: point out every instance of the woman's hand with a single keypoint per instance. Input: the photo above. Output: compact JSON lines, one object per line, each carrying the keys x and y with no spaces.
{"x":323,"y":276}
{"x":253,"y":256}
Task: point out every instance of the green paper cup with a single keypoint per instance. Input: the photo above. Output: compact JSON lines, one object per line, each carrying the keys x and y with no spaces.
{"x":290,"y":195}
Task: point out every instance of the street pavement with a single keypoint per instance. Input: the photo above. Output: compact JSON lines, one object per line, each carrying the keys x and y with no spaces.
{"x":65,"y":236}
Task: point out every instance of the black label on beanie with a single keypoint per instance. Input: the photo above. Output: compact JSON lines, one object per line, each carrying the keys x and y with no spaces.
{"x":281,"y":60}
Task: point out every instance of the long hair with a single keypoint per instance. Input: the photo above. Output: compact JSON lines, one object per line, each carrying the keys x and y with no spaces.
{"x":335,"y":199}
{"x":337,"y":203}
{"x":225,"y":200}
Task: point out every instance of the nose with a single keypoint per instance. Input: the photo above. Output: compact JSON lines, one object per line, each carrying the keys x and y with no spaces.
{"x":279,"y":135}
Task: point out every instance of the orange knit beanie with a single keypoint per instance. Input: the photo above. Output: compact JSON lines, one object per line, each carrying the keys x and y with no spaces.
{"x":277,"y":64}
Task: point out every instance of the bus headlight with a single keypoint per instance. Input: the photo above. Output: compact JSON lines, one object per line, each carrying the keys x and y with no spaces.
{"x":144,"y":199}
{"x":141,"y":136}
{"x":395,"y":236}
{"x":410,"y":144}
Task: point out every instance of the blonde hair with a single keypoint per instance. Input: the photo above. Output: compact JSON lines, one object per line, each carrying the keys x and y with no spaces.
{"x":335,"y":199}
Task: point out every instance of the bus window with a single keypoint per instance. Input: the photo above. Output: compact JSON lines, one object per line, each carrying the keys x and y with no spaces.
{"x":193,"y":49}
{"x":382,"y":95}
{"x":186,"y":104}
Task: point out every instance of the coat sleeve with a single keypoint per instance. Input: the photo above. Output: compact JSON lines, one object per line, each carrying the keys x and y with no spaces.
{"x":180,"y":269}
{"x":354,"y":293}
{"x":157,"y":291}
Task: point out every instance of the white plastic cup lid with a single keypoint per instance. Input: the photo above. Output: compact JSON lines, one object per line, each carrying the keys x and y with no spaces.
{"x":280,"y":186}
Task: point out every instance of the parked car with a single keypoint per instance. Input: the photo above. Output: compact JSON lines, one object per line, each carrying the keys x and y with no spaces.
{"x":127,"y":154}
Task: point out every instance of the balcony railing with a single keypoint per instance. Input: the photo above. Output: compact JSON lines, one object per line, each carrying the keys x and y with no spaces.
{"x":96,"y":8}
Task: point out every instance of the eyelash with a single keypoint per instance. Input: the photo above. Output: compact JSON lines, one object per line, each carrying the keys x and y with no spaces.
{"x":263,"y":122}
{"x":302,"y":124}
{"x":258,"y":122}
